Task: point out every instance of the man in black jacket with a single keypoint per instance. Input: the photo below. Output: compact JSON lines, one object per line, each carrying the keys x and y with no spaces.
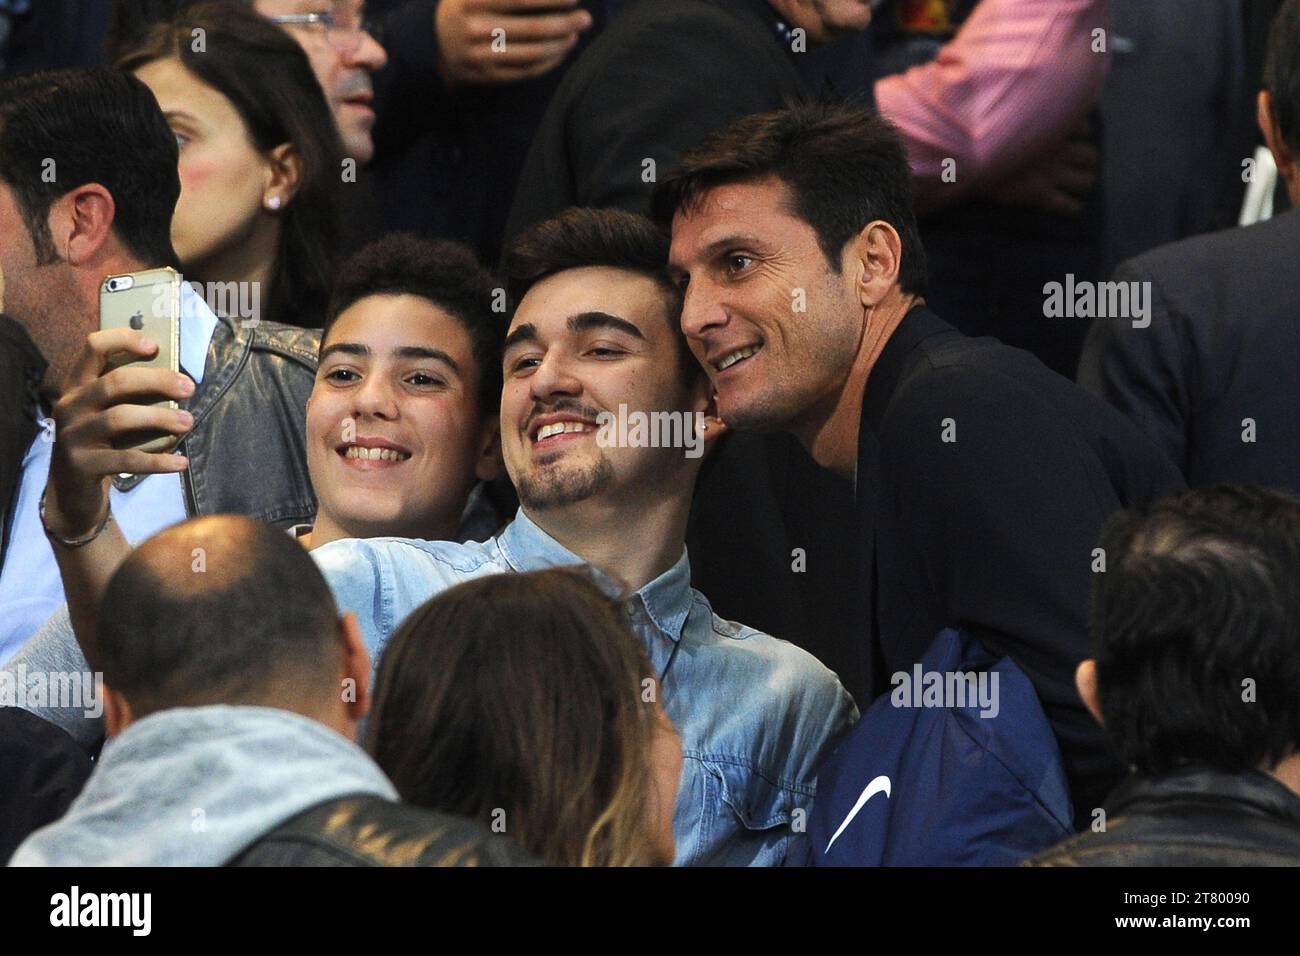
{"x":1210,"y":374}
{"x":232,"y":694}
{"x":982,"y":477}
{"x":88,"y":187}
{"x":1197,"y":631}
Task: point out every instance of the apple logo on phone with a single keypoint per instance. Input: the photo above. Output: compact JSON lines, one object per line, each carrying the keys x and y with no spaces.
{"x":137,"y":321}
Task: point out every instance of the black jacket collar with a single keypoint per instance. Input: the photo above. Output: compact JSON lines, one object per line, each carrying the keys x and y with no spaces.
{"x":896,"y":358}
{"x":1252,"y":792}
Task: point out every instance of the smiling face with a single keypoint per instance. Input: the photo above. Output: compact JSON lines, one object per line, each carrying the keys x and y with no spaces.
{"x":775,"y":327}
{"x":395,"y":438}
{"x":583,"y":342}
{"x":342,"y":70}
{"x":223,"y":176}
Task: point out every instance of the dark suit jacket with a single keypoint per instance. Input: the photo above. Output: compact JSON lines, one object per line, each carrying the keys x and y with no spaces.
{"x":1221,"y":353}
{"x":1177,"y":124}
{"x":662,"y":76}
{"x":446,"y":160}
{"x":984,"y":479}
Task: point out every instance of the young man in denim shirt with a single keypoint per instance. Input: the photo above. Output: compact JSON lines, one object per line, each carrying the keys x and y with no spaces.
{"x":592,"y":354}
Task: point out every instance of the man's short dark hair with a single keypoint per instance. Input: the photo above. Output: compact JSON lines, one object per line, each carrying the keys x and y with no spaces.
{"x":209,"y":633}
{"x":1197,"y":627}
{"x":843,"y":167}
{"x":580,"y":237}
{"x":447,"y":274}
{"x":1282,"y":71}
{"x":63,"y":129}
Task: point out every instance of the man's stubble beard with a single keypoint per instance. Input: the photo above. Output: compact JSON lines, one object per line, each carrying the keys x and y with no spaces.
{"x":767,"y":413}
{"x":58,"y":325}
{"x":558,"y":487}
{"x":786,"y":403}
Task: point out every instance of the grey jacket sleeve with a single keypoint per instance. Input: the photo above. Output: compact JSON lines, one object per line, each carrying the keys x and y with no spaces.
{"x":51,"y":679}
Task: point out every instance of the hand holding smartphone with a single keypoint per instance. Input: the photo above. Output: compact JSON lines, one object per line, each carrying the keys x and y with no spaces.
{"x":117,"y":412}
{"x":146,"y":302}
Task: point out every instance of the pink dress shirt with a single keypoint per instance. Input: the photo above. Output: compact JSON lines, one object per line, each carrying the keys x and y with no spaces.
{"x":1014,"y":79}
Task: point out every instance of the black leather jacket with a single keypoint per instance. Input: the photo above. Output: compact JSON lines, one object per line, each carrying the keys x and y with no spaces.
{"x":1197,"y":817}
{"x":248,"y":446}
{"x":371,"y":831}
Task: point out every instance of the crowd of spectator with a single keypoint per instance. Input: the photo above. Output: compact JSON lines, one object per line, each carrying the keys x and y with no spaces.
{"x":522,"y":349}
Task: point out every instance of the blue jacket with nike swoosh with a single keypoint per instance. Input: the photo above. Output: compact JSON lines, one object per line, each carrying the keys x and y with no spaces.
{"x":957,"y":766}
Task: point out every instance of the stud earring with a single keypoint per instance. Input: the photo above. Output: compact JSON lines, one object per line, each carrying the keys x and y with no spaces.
{"x":273,"y":202}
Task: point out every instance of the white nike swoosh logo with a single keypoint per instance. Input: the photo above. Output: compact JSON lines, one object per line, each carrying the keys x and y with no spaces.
{"x":879,"y":785}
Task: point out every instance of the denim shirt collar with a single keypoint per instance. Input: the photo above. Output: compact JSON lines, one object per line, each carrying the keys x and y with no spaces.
{"x":666,"y":600}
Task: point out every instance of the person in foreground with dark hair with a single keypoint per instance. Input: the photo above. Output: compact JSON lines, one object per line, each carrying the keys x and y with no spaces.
{"x":593,"y":350}
{"x":982,"y":478}
{"x":261,"y":192}
{"x":467,"y":719}
{"x":88,"y":184}
{"x":1196,"y":624}
{"x":232,"y":695}
{"x":1210,"y":376}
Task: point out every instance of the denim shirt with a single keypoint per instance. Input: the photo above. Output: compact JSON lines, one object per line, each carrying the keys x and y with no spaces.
{"x":757,"y":715}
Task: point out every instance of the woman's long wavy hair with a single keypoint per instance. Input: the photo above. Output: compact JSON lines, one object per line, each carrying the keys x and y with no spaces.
{"x":268,"y":79}
{"x":523,"y":693}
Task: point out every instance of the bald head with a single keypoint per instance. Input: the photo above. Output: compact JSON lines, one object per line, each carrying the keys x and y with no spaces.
{"x":218,"y":552}
{"x":220,"y":610}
